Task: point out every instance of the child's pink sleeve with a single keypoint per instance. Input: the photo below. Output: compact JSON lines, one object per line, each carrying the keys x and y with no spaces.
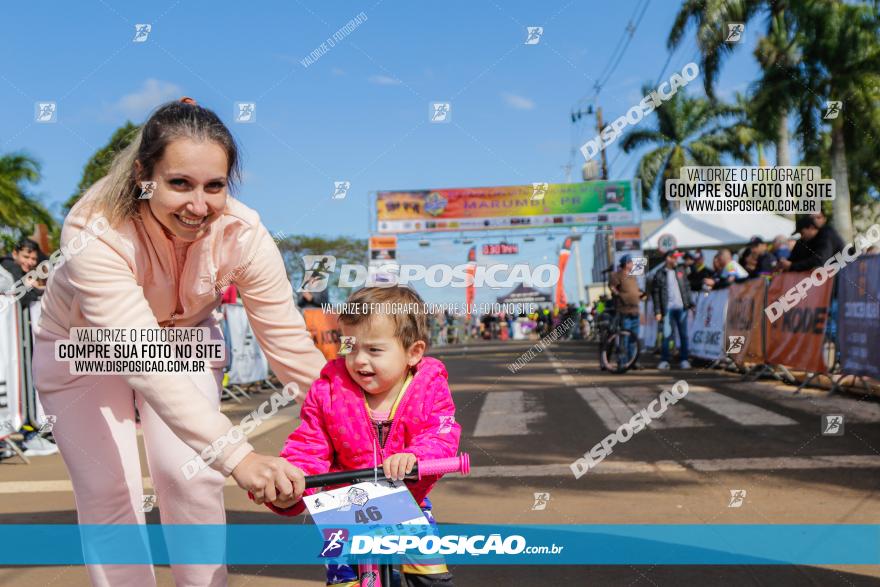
{"x":439,"y":436}
{"x":309,"y":446}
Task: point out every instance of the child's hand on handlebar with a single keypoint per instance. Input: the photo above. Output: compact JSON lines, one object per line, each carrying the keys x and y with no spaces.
{"x":399,"y":465}
{"x":269,"y":479}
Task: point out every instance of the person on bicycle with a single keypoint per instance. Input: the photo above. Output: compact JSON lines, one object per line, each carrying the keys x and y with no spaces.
{"x":385,"y":398}
{"x":672,"y":299}
{"x":627,"y":294}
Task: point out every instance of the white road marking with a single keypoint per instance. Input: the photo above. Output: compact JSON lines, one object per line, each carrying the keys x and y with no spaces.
{"x":733,"y":409}
{"x":505,"y":413}
{"x":771,"y":463}
{"x":568,"y":380}
{"x":561,"y":370}
{"x":618,"y":406}
{"x":812,"y":403}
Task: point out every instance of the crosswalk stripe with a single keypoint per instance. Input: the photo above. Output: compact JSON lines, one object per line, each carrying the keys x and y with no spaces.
{"x":851,"y":408}
{"x":733,"y":409}
{"x":618,"y":406}
{"x":505,"y":413}
{"x":610,"y":408}
{"x":773,"y":463}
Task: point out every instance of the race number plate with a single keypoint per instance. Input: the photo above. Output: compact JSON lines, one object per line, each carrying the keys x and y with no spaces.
{"x":368,"y":504}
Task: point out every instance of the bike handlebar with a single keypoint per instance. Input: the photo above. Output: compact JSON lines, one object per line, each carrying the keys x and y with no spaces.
{"x":460,"y":464}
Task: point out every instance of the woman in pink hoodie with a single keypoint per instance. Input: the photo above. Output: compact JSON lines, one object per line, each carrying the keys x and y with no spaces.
{"x":149,"y":255}
{"x":384,"y":400}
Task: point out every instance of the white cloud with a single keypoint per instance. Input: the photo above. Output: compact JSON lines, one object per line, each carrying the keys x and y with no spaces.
{"x":337,"y":71}
{"x":518,"y":102}
{"x":151,"y":94}
{"x":384,"y":80}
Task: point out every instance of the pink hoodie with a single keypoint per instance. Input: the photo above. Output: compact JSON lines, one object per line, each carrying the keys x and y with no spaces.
{"x":336,"y":433}
{"x":131,"y":276}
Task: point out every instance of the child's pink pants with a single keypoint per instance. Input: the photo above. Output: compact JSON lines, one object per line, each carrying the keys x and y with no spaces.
{"x":96,"y":434}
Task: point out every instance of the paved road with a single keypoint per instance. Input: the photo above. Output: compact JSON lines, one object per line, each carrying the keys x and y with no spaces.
{"x":522,"y":431}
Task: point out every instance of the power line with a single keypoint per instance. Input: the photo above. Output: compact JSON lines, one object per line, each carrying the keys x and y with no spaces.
{"x":628,"y":34}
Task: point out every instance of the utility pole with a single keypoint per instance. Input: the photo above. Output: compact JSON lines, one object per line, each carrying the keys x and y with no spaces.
{"x":599,"y":127}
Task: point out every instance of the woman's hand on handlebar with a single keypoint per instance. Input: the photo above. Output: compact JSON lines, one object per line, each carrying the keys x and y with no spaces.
{"x":269,"y":479}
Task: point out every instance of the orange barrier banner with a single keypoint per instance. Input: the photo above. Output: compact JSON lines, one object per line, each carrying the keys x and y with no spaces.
{"x":795,"y":339}
{"x":745,"y":310}
{"x":324,"y":329}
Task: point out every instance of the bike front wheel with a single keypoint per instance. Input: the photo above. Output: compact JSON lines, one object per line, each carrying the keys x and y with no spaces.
{"x":615,"y":355}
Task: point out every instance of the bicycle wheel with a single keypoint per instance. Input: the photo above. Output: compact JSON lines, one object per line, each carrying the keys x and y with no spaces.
{"x":613,"y":355}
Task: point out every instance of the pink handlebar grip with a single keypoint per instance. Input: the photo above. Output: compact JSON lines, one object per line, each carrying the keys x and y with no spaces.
{"x":460,"y":464}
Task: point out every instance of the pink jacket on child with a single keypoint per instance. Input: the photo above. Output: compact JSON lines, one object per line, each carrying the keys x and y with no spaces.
{"x":336,"y":433}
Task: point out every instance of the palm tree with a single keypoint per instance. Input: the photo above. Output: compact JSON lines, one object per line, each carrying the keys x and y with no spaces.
{"x":776,"y":51}
{"x":19,"y":210}
{"x":840,"y":63}
{"x":690,"y":131}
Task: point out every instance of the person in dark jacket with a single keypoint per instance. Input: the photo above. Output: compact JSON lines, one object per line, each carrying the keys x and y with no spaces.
{"x":25,"y":257}
{"x":697,"y":271}
{"x":764,"y":261}
{"x":671,"y":296}
{"x":828,"y":231}
{"x":813,"y":248}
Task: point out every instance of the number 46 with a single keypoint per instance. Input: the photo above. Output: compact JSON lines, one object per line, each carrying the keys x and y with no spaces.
{"x":361,"y":516}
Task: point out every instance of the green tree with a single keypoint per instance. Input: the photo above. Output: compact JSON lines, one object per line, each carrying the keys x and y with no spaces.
{"x":345,"y":249}
{"x":20,"y":211}
{"x":776,"y":52}
{"x":99,"y":163}
{"x":841,"y":62}
{"x":689,"y":131}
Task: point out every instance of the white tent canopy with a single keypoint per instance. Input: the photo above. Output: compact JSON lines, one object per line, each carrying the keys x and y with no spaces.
{"x":692,"y":231}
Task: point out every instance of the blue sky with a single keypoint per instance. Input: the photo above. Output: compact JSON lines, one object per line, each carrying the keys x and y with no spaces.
{"x":360,"y":112}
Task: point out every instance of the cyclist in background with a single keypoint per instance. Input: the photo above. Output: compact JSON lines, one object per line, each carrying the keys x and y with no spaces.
{"x":625,"y":289}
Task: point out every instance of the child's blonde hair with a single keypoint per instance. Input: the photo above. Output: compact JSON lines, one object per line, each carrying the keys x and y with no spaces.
{"x":410,"y":325}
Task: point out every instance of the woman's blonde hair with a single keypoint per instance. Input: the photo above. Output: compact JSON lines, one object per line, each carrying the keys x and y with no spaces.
{"x":120,"y":195}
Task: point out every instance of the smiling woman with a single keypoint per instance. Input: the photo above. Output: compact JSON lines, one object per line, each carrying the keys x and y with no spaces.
{"x":172,"y":231}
